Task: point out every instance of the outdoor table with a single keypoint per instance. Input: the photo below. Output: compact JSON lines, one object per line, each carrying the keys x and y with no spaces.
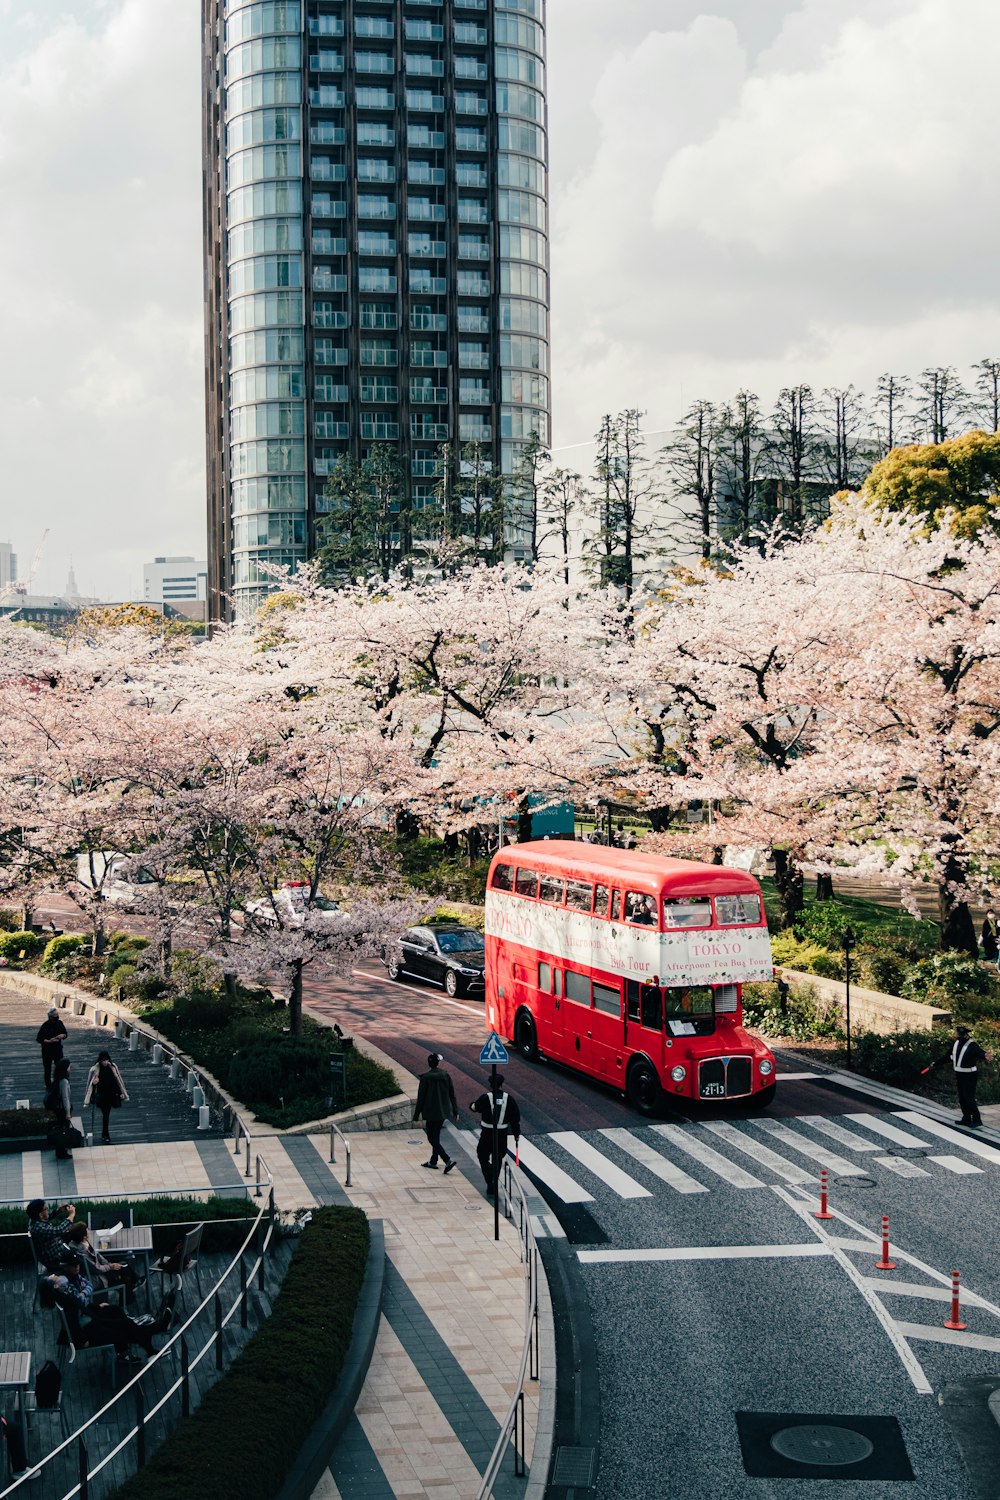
{"x":15,"y":1375}
{"x":137,"y":1241}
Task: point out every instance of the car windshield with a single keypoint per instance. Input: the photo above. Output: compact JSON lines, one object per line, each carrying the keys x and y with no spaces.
{"x":323,"y":903}
{"x":467,"y":941}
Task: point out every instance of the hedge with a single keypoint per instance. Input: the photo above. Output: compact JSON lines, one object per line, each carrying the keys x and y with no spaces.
{"x":17,"y":1122}
{"x":171,"y":1218}
{"x":15,"y":946}
{"x":243,"y":1439}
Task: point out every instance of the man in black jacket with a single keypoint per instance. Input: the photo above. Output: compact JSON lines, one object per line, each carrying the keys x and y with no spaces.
{"x":501,"y":1107}
{"x":51,"y":1035}
{"x":436,"y":1103}
{"x":966,"y":1055}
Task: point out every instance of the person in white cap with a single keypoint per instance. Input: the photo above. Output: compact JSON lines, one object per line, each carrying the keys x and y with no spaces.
{"x":436,"y":1103}
{"x":51,"y":1035}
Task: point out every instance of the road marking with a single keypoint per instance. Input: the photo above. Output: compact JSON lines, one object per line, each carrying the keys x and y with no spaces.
{"x":554,"y":1177}
{"x":837,"y":1133}
{"x":654,"y":1162}
{"x":547,"y":1226}
{"x":907,"y":1357}
{"x":400,"y":984}
{"x":790,"y":1077}
{"x":704,"y":1252}
{"x":805,"y":1147}
{"x":967,"y":1143}
{"x":618,"y":1181}
{"x":891,"y":1132}
{"x":713,"y":1160}
{"x":939,"y":1335}
{"x":789,"y":1170}
{"x":927,"y":1293}
{"x":865,"y":1246}
{"x":901,"y":1166}
{"x":956,"y":1164}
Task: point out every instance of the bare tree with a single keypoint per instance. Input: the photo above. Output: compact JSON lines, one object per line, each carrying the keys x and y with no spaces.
{"x":523,"y":491}
{"x":626,"y":503}
{"x":939,"y":403}
{"x":741,"y":454}
{"x":844,"y":445}
{"x":985,"y":400}
{"x":561,"y":495}
{"x":691,"y":458}
{"x":889,"y":409}
{"x":793,"y":452}
{"x":481,"y":504}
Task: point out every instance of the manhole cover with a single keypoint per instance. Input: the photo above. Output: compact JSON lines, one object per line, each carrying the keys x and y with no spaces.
{"x":817,"y":1444}
{"x":857,"y":1181}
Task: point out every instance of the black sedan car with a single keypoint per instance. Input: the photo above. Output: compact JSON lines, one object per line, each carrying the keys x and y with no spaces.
{"x":443,"y":951}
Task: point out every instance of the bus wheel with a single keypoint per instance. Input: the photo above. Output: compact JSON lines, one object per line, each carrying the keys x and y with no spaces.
{"x":763,"y":1099}
{"x":643,"y":1088}
{"x":525,"y":1039}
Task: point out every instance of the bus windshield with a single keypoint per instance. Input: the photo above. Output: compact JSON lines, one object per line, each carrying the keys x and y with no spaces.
{"x":688,"y":1001}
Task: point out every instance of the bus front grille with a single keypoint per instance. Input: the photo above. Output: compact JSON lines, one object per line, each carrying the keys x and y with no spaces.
{"x":724,"y":1077}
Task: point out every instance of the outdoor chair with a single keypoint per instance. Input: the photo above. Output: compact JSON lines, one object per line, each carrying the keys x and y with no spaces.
{"x":33,"y":1410}
{"x":69,"y":1353}
{"x":107,"y":1218}
{"x":190,"y":1248}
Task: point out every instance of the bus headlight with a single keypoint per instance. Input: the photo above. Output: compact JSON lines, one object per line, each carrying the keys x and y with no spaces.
{"x":678,"y":1074}
{"x":766,"y":1066}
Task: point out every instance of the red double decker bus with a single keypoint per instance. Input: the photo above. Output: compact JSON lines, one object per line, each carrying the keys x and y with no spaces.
{"x":629,"y":967}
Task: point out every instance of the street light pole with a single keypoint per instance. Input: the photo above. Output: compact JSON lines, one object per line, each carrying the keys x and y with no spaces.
{"x":848,"y":942}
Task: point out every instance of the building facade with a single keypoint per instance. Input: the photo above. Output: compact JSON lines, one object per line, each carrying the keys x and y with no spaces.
{"x":168,"y":580}
{"x":8,"y":566}
{"x":376,"y":247}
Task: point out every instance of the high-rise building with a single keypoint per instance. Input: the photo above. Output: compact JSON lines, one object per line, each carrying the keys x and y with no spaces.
{"x":8,"y":566}
{"x":167,"y":580}
{"x":376,"y":257}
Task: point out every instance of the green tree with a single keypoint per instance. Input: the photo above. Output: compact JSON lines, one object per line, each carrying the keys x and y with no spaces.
{"x":691,"y":457}
{"x":524,"y":490}
{"x":741,"y":453}
{"x":961,"y":474}
{"x":367,"y":528}
{"x":559,"y":499}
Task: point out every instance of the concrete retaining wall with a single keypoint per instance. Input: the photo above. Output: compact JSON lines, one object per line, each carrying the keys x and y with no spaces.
{"x":870,"y":1009}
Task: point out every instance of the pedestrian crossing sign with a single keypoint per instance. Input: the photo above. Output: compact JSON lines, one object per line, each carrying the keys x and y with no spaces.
{"x":494,"y":1051}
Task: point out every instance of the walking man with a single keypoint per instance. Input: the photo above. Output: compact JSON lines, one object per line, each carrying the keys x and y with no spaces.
{"x":495,"y":1105}
{"x":966,"y":1055}
{"x":436,"y":1103}
{"x":51,"y":1035}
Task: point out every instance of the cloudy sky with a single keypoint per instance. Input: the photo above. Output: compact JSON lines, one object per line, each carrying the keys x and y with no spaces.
{"x":749,"y":192}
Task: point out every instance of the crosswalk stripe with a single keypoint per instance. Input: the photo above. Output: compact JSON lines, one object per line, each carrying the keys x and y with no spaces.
{"x":561,"y":1183}
{"x":901,"y":1166}
{"x":837,"y":1133}
{"x":654,"y":1162}
{"x":805,"y":1147}
{"x":955,"y":1164}
{"x":968,"y":1143}
{"x":788,"y":1170}
{"x":618,"y":1181}
{"x":891,"y":1132}
{"x":940,"y":1335}
{"x":713,"y":1160}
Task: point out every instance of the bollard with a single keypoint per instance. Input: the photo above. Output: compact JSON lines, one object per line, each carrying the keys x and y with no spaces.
{"x":955,"y":1321}
{"x":197,"y":1098}
{"x":119,"y":1029}
{"x":175,"y":1068}
{"x":824,"y":1183}
{"x":90,"y":1138}
{"x":203,"y":1117}
{"x":885,"y":1264}
{"x":157,"y":1052}
{"x":133,"y":1041}
{"x":190,"y":1079}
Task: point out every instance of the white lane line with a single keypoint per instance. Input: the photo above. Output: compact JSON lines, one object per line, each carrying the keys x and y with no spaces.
{"x":864,"y":1246}
{"x":613,"y":1177}
{"x":926,"y":1293}
{"x":400,"y":984}
{"x":891,"y":1132}
{"x":554,"y":1177}
{"x":660,"y":1167}
{"x":968,"y":1143}
{"x":791,"y":1077}
{"x":837,"y":1132}
{"x":789,"y":1170}
{"x":704,"y":1252}
{"x":907,"y":1357}
{"x":901,"y":1166}
{"x":805,"y":1147}
{"x":956,"y":1164}
{"x":685,"y":1140}
{"x":939,"y":1335}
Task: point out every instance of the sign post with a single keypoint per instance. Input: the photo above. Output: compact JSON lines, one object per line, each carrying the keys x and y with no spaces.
{"x":494,"y":1052}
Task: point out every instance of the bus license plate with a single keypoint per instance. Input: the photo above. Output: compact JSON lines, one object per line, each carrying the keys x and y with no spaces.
{"x":713,"y":1091}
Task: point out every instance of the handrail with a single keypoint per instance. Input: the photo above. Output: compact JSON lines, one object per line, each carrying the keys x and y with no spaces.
{"x":133,"y":1388}
{"x":513,"y":1424}
{"x":335,"y":1129}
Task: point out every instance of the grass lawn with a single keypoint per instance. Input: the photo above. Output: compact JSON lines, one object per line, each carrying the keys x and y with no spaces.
{"x":868,"y":918}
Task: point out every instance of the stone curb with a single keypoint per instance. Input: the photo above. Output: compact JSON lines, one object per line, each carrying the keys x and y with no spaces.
{"x":315,"y":1454}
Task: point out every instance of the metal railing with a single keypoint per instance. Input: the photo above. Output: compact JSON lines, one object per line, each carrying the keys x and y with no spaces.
{"x":335,"y":1131}
{"x":262,"y":1230}
{"x":512,"y":1428}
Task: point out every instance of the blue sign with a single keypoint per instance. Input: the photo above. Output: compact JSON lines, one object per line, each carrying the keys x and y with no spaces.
{"x":494,"y":1051}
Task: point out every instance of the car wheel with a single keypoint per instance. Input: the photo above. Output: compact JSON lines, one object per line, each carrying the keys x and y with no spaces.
{"x":452,"y":983}
{"x":525,"y":1039}
{"x":394,"y":968}
{"x":762,"y":1099}
{"x":643,"y":1088}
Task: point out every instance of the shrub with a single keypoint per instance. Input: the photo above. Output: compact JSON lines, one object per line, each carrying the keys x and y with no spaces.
{"x":8,"y":920}
{"x":427,"y":865}
{"x":205,"y":1010}
{"x":904,"y":1060}
{"x":15,"y":1123}
{"x":810,"y":958}
{"x":18,"y":946}
{"x":122,"y":981}
{"x":882,"y":968}
{"x":806,"y":1016}
{"x":823,"y":922}
{"x":127,"y":942}
{"x":265,"y":1407}
{"x":61,"y":947}
{"x":949,"y":978}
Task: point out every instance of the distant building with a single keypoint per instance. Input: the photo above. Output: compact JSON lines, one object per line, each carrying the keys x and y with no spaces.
{"x":8,"y":565}
{"x":170,"y":580}
{"x":43,"y":609}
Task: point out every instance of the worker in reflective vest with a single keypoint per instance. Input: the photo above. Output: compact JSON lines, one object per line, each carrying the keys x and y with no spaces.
{"x":966,"y":1055}
{"x":501,"y":1107}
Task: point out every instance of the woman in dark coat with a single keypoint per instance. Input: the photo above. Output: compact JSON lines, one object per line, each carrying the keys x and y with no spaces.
{"x":105,"y":1088}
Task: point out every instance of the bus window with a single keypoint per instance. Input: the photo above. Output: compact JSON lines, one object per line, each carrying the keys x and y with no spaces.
{"x":607,"y":999}
{"x":578,"y":894}
{"x":640,"y":909}
{"x":545,"y":977}
{"x":503,"y":878}
{"x":725,"y":999}
{"x":577,"y":988}
{"x":601,"y":894}
{"x":551,"y":888}
{"x":557,"y":976}
{"x":689,"y":1001}
{"x":738,"y":911}
{"x":632,"y":992}
{"x":686,"y":911}
{"x":652,"y":1009}
{"x":526,"y":883}
{"x":616,"y":906}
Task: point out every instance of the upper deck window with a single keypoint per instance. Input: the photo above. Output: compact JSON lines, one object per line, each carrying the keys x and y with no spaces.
{"x":579,"y":893}
{"x":503,"y":878}
{"x":601,"y":900}
{"x":526,"y":882}
{"x":687,"y":911}
{"x":738,"y":911}
{"x":640,"y":909}
{"x":550,"y":888}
